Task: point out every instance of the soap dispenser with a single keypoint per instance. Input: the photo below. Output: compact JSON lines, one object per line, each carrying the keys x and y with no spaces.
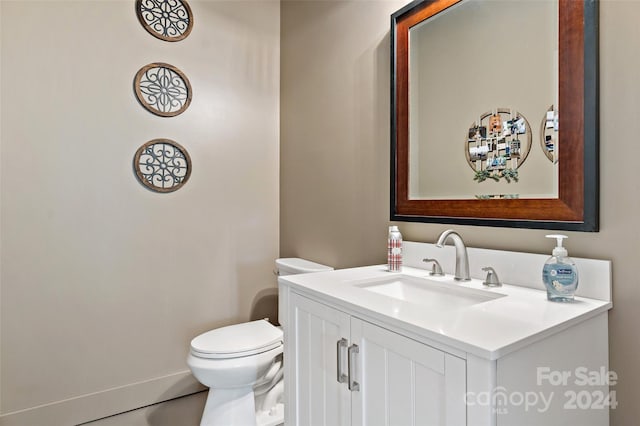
{"x":560,"y":274}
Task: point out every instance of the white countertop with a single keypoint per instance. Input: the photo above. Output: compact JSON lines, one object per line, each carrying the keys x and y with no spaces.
{"x":490,"y":329}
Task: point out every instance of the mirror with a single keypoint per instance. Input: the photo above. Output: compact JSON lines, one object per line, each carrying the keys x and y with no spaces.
{"x":494,"y":115}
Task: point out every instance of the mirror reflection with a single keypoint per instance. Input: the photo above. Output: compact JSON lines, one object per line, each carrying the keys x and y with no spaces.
{"x":483,"y":82}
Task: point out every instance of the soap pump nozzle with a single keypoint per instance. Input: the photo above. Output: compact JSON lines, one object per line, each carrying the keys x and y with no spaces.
{"x":559,"y":251}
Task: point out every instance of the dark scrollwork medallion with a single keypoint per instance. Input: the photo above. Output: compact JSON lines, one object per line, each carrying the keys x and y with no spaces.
{"x":162,"y":89}
{"x":168,"y":20}
{"x":162,"y":165}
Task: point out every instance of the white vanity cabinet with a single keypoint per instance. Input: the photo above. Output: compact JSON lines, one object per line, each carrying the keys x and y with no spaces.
{"x":367,"y":347}
{"x":341,"y":370}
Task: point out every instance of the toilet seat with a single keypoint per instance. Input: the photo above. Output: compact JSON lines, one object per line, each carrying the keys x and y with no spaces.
{"x":236,"y":341}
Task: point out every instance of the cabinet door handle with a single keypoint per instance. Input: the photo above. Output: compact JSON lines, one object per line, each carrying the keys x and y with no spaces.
{"x":353,"y":350}
{"x":342,"y":345}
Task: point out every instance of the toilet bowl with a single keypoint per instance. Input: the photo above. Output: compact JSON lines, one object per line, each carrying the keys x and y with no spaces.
{"x":231,"y":361}
{"x":242,"y":366}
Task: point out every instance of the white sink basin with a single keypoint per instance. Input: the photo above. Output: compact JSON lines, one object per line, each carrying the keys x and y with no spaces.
{"x":432,"y":293}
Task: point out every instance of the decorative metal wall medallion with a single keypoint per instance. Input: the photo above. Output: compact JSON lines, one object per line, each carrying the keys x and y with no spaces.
{"x":162,"y":89}
{"x":168,"y":20}
{"x":162,"y":165}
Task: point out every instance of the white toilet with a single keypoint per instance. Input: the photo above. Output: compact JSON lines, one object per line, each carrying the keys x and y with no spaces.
{"x":242,"y":366}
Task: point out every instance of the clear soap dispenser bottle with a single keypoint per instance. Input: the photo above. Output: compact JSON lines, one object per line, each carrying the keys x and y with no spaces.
{"x":560,"y":274}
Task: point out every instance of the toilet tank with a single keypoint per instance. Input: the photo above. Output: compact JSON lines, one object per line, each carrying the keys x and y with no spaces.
{"x":295,"y":265}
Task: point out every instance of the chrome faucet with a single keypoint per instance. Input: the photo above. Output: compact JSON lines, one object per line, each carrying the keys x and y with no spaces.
{"x":462,"y":259}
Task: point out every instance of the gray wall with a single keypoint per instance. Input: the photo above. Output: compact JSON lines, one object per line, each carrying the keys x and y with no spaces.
{"x":103,"y":282}
{"x":335,"y":157}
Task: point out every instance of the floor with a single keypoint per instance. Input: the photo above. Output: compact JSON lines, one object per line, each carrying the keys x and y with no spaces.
{"x":185,"y":411}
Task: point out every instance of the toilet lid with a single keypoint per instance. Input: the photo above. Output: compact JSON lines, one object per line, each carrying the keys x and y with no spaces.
{"x":237,"y":340}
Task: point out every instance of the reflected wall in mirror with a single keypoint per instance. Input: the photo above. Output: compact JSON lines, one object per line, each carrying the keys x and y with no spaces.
{"x":453,"y":60}
{"x":474,"y":56}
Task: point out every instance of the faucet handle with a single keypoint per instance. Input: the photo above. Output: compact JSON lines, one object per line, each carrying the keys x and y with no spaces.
{"x":492,"y":279}
{"x":436,"y":269}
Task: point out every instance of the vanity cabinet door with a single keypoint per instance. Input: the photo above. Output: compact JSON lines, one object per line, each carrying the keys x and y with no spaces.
{"x":311,"y":359}
{"x":341,"y":370}
{"x":403,"y":382}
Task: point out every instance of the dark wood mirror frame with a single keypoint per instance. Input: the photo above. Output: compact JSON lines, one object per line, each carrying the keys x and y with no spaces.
{"x":576,"y":207}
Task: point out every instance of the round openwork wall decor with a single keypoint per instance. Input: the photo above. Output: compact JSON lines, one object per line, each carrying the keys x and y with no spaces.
{"x":162,"y":89}
{"x":168,"y":20}
{"x":499,"y":140}
{"x":549,"y":134}
{"x":162,"y":165}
